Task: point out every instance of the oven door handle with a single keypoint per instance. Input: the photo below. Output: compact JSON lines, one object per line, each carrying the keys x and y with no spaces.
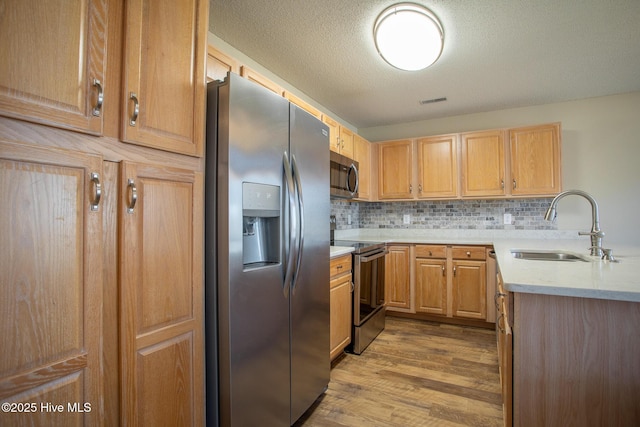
{"x":372,"y":257}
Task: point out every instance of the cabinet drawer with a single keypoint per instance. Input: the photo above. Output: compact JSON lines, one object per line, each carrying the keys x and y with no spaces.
{"x":469,"y":252}
{"x":431,"y":251}
{"x":340,"y":265}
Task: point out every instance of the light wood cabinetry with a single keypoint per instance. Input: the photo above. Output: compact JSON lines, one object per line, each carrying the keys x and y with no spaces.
{"x":431,"y":279}
{"x":346,"y":142}
{"x":302,"y":104}
{"x":395,"y":170}
{"x":535,"y":160}
{"x":51,"y":273}
{"x":362,"y":154}
{"x":483,"y":164}
{"x":254,"y":76}
{"x":341,"y":289}
{"x":102,"y":306}
{"x":437,"y":167}
{"x":219,"y":64}
{"x":164,"y":75}
{"x":62,"y":76}
{"x":341,"y":139}
{"x":397,"y":277}
{"x":334,"y":133}
{"x":161,"y":287}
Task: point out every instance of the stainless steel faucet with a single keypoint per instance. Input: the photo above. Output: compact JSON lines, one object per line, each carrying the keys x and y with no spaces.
{"x":595,"y":233}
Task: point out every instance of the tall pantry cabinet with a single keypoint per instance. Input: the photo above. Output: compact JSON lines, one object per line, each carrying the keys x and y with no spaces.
{"x":102,"y":219}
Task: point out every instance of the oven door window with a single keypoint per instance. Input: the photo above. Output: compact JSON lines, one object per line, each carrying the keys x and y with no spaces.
{"x":371,"y":287}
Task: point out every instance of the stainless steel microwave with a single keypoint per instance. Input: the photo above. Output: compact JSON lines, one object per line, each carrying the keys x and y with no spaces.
{"x":344,"y":177}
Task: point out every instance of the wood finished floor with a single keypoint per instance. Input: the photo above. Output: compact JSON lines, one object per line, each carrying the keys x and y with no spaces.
{"x":415,"y":373}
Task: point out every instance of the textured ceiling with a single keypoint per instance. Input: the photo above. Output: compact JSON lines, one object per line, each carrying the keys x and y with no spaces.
{"x":498,"y":53}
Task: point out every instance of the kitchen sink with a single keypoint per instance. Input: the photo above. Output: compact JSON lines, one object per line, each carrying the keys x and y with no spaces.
{"x":540,"y":255}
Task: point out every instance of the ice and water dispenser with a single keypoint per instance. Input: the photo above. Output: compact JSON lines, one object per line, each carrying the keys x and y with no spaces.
{"x":260,"y":225}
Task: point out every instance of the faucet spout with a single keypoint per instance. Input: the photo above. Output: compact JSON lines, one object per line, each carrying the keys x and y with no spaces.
{"x":595,"y":233}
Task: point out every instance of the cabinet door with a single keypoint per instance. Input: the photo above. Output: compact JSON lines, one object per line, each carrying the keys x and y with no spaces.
{"x":164,"y":74}
{"x":394,"y":170}
{"x":483,"y":165}
{"x":219,"y":64}
{"x":302,"y":104}
{"x":161,"y":296}
{"x":258,"y":78}
{"x":437,"y":167}
{"x":346,"y":142}
{"x":341,"y":320}
{"x":53,"y":62}
{"x":334,"y":133}
{"x":470,"y":289}
{"x":362,"y":154}
{"x":51,"y":276}
{"x":431,"y":286}
{"x":535,"y":160}
{"x":397,"y":276}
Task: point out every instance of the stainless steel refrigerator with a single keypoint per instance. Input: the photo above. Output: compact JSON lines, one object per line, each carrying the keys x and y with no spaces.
{"x":267,"y":256}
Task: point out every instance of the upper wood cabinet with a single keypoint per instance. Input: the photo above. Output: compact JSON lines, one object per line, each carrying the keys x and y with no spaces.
{"x":341,"y":139}
{"x":535,"y":160}
{"x":347,"y":142}
{"x":219,"y":64}
{"x":258,"y":78}
{"x":438,"y":167}
{"x":362,"y":154}
{"x":53,"y":62}
{"x":334,"y":133}
{"x":51,"y":266}
{"x":164,"y":75}
{"x":161,"y":296}
{"x":395,"y":169}
{"x":302,"y":104}
{"x":483,"y":164}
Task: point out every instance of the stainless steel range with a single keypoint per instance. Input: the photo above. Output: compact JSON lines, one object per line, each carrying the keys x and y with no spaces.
{"x":368,"y":292}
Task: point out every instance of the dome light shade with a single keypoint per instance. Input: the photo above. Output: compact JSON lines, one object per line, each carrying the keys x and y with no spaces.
{"x":408,"y":36}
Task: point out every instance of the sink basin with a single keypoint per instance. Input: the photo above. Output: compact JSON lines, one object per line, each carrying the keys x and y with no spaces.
{"x":548,"y":255}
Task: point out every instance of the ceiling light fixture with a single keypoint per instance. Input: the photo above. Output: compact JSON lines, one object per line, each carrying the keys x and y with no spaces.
{"x":408,"y":36}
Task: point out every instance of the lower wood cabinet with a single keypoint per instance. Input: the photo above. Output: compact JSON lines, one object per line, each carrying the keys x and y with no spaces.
{"x":440,"y":280}
{"x":504,"y":308}
{"x":340,"y":295}
{"x":102,"y":289}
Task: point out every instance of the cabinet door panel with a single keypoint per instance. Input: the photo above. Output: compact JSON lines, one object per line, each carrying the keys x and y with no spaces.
{"x":362,"y":154}
{"x":165,"y":66}
{"x":161,"y":310}
{"x":51,"y":53}
{"x":341,"y":320}
{"x":437,"y":167}
{"x":470,"y":289}
{"x":394,"y":170}
{"x":535,"y":160}
{"x":431,"y":286}
{"x":51,"y":276}
{"x":483,"y":165}
{"x":397,"y":277}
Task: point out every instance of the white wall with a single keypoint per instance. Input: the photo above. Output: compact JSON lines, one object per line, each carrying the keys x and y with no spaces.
{"x":600,"y":155}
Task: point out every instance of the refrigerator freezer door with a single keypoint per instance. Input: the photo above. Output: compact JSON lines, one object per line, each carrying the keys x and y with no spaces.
{"x":253,"y":309}
{"x":310,"y":362}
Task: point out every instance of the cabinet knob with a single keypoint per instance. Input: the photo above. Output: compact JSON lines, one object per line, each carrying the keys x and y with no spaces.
{"x":468,"y":253}
{"x":430,"y":253}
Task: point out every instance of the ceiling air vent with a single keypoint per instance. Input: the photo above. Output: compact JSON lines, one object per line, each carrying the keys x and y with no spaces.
{"x":431,"y":101}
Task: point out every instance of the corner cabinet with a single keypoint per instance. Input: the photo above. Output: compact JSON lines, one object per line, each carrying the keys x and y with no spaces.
{"x":161,"y":296}
{"x":51,"y":265}
{"x":164,"y":75}
{"x":62,"y":82}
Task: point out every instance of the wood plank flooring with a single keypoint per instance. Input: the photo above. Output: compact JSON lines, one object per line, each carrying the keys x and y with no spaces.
{"x":416,"y":373}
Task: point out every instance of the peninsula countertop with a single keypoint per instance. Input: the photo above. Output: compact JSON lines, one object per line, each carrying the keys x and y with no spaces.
{"x":593,"y":279}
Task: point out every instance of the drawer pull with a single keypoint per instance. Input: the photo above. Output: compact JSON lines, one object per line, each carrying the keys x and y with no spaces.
{"x":468,"y":253}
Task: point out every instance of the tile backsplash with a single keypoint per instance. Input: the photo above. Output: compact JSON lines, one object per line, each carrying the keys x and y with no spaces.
{"x":526,"y":214}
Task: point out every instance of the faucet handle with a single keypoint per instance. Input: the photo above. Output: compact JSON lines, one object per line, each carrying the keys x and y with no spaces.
{"x":598,"y":233}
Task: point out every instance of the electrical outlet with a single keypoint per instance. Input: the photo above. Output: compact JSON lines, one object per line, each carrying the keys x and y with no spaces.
{"x":349,"y":219}
{"x":406,"y":219}
{"x":507,"y":218}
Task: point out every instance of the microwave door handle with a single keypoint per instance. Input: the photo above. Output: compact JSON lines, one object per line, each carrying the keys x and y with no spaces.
{"x":292,"y":223}
{"x":300,"y":212}
{"x":353,"y":169}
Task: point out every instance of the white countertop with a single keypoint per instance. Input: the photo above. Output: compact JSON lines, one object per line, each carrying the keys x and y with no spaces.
{"x":595,"y":279}
{"x":336,"y":251}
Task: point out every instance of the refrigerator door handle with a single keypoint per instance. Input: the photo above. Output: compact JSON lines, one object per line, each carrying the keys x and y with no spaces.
{"x":293,"y":222}
{"x":300,"y":212}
